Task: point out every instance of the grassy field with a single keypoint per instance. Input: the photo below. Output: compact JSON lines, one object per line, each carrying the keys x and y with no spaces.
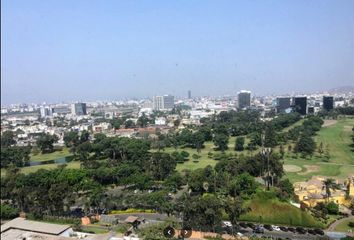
{"x":50,"y":156}
{"x":343,"y":226}
{"x":335,"y":136}
{"x":27,"y":170}
{"x":341,"y":162}
{"x":95,"y":228}
{"x":272,"y":211}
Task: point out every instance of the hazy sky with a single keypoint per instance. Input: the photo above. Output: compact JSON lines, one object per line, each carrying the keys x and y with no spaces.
{"x":88,"y":50}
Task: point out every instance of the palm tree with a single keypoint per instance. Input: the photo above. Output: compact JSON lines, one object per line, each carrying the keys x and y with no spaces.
{"x":330,"y":184}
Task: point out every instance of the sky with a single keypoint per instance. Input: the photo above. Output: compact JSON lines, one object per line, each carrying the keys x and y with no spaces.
{"x":67,"y":50}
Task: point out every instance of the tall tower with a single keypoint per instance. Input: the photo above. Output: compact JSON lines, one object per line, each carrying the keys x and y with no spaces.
{"x":244,"y":99}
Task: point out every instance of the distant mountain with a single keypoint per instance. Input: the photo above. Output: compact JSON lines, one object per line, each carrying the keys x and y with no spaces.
{"x":344,"y":89}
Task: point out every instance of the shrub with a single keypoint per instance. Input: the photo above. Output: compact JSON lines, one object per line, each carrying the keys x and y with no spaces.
{"x":332,"y":208}
{"x":8,"y":212}
{"x":132,"y":210}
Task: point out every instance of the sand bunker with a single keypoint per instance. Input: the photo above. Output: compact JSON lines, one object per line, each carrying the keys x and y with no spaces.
{"x":310,"y":169}
{"x":327,"y":123}
{"x":348,"y":128}
{"x":292,"y":168}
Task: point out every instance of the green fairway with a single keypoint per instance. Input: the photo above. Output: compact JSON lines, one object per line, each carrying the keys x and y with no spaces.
{"x":341,"y":161}
{"x":50,"y":156}
{"x":298,"y":123}
{"x":337,"y":137}
{"x":273,"y":211}
{"x":31,"y":169}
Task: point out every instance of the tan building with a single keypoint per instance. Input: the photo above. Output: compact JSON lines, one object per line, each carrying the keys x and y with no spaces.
{"x":313,"y":191}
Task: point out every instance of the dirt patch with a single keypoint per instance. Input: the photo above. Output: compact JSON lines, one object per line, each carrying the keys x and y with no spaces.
{"x":348,"y":128}
{"x":327,"y":123}
{"x":310,"y":169}
{"x":292,"y":168}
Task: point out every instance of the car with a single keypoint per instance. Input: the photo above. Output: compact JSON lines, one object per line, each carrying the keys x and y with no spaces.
{"x":275,"y":228}
{"x":311,"y":231}
{"x":243,"y":225}
{"x":284,"y":229}
{"x":300,"y":230}
{"x":239,"y":234}
{"x":227,"y":223}
{"x":251,"y":225}
{"x":291,"y":229}
{"x":319,"y":231}
{"x":268,"y":227}
{"x":258,"y":229}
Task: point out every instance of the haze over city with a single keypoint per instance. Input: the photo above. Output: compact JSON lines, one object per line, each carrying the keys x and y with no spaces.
{"x":74,"y":50}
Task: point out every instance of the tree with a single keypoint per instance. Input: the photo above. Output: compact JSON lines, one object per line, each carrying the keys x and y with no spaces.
{"x":332,"y":208}
{"x":281,"y":151}
{"x":142,"y":121}
{"x":286,"y":189}
{"x":129,"y":124}
{"x":305,"y":145}
{"x":83,"y":150}
{"x":221,"y":141}
{"x":240,"y":141}
{"x":7,"y":139}
{"x":15,"y":155}
{"x":244,"y":184}
{"x":198,"y":140}
{"x":71,"y":138}
{"x":161,"y":165}
{"x":176,"y":123}
{"x":234,"y":208}
{"x":330,"y":184}
{"x":270,"y":136}
{"x":45,"y":142}
{"x":320,"y":149}
{"x":8,"y":212}
{"x":84,"y":136}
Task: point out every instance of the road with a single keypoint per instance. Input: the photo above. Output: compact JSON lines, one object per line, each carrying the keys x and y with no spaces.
{"x":283,"y":235}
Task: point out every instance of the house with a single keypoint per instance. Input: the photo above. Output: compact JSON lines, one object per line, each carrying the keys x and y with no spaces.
{"x":22,"y":227}
{"x":312,"y":192}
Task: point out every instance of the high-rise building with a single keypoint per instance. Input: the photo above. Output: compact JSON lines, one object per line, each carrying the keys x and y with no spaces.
{"x":45,"y":112}
{"x":300,"y":105}
{"x":244,"y":99}
{"x":157,"y":103}
{"x":165,"y":102}
{"x":78,"y":109}
{"x":328,"y":103}
{"x":189,"y":94}
{"x":283,"y":103}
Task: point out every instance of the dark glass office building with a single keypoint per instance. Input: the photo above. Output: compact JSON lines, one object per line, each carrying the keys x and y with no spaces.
{"x":300,"y":105}
{"x":78,"y":109}
{"x":328,"y":103}
{"x":283,"y":103}
{"x":244,"y":99}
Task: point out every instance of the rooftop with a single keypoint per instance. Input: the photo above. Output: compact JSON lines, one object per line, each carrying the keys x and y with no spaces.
{"x":33,"y":226}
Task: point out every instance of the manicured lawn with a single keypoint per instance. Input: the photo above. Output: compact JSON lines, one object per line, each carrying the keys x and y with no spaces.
{"x":341,"y":162}
{"x":273,"y":211}
{"x":31,"y":169}
{"x":26,"y":170}
{"x":204,"y":160}
{"x":337,"y":137}
{"x":50,"y":156}
{"x":298,"y":123}
{"x":92,"y":228}
{"x":343,"y":226}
